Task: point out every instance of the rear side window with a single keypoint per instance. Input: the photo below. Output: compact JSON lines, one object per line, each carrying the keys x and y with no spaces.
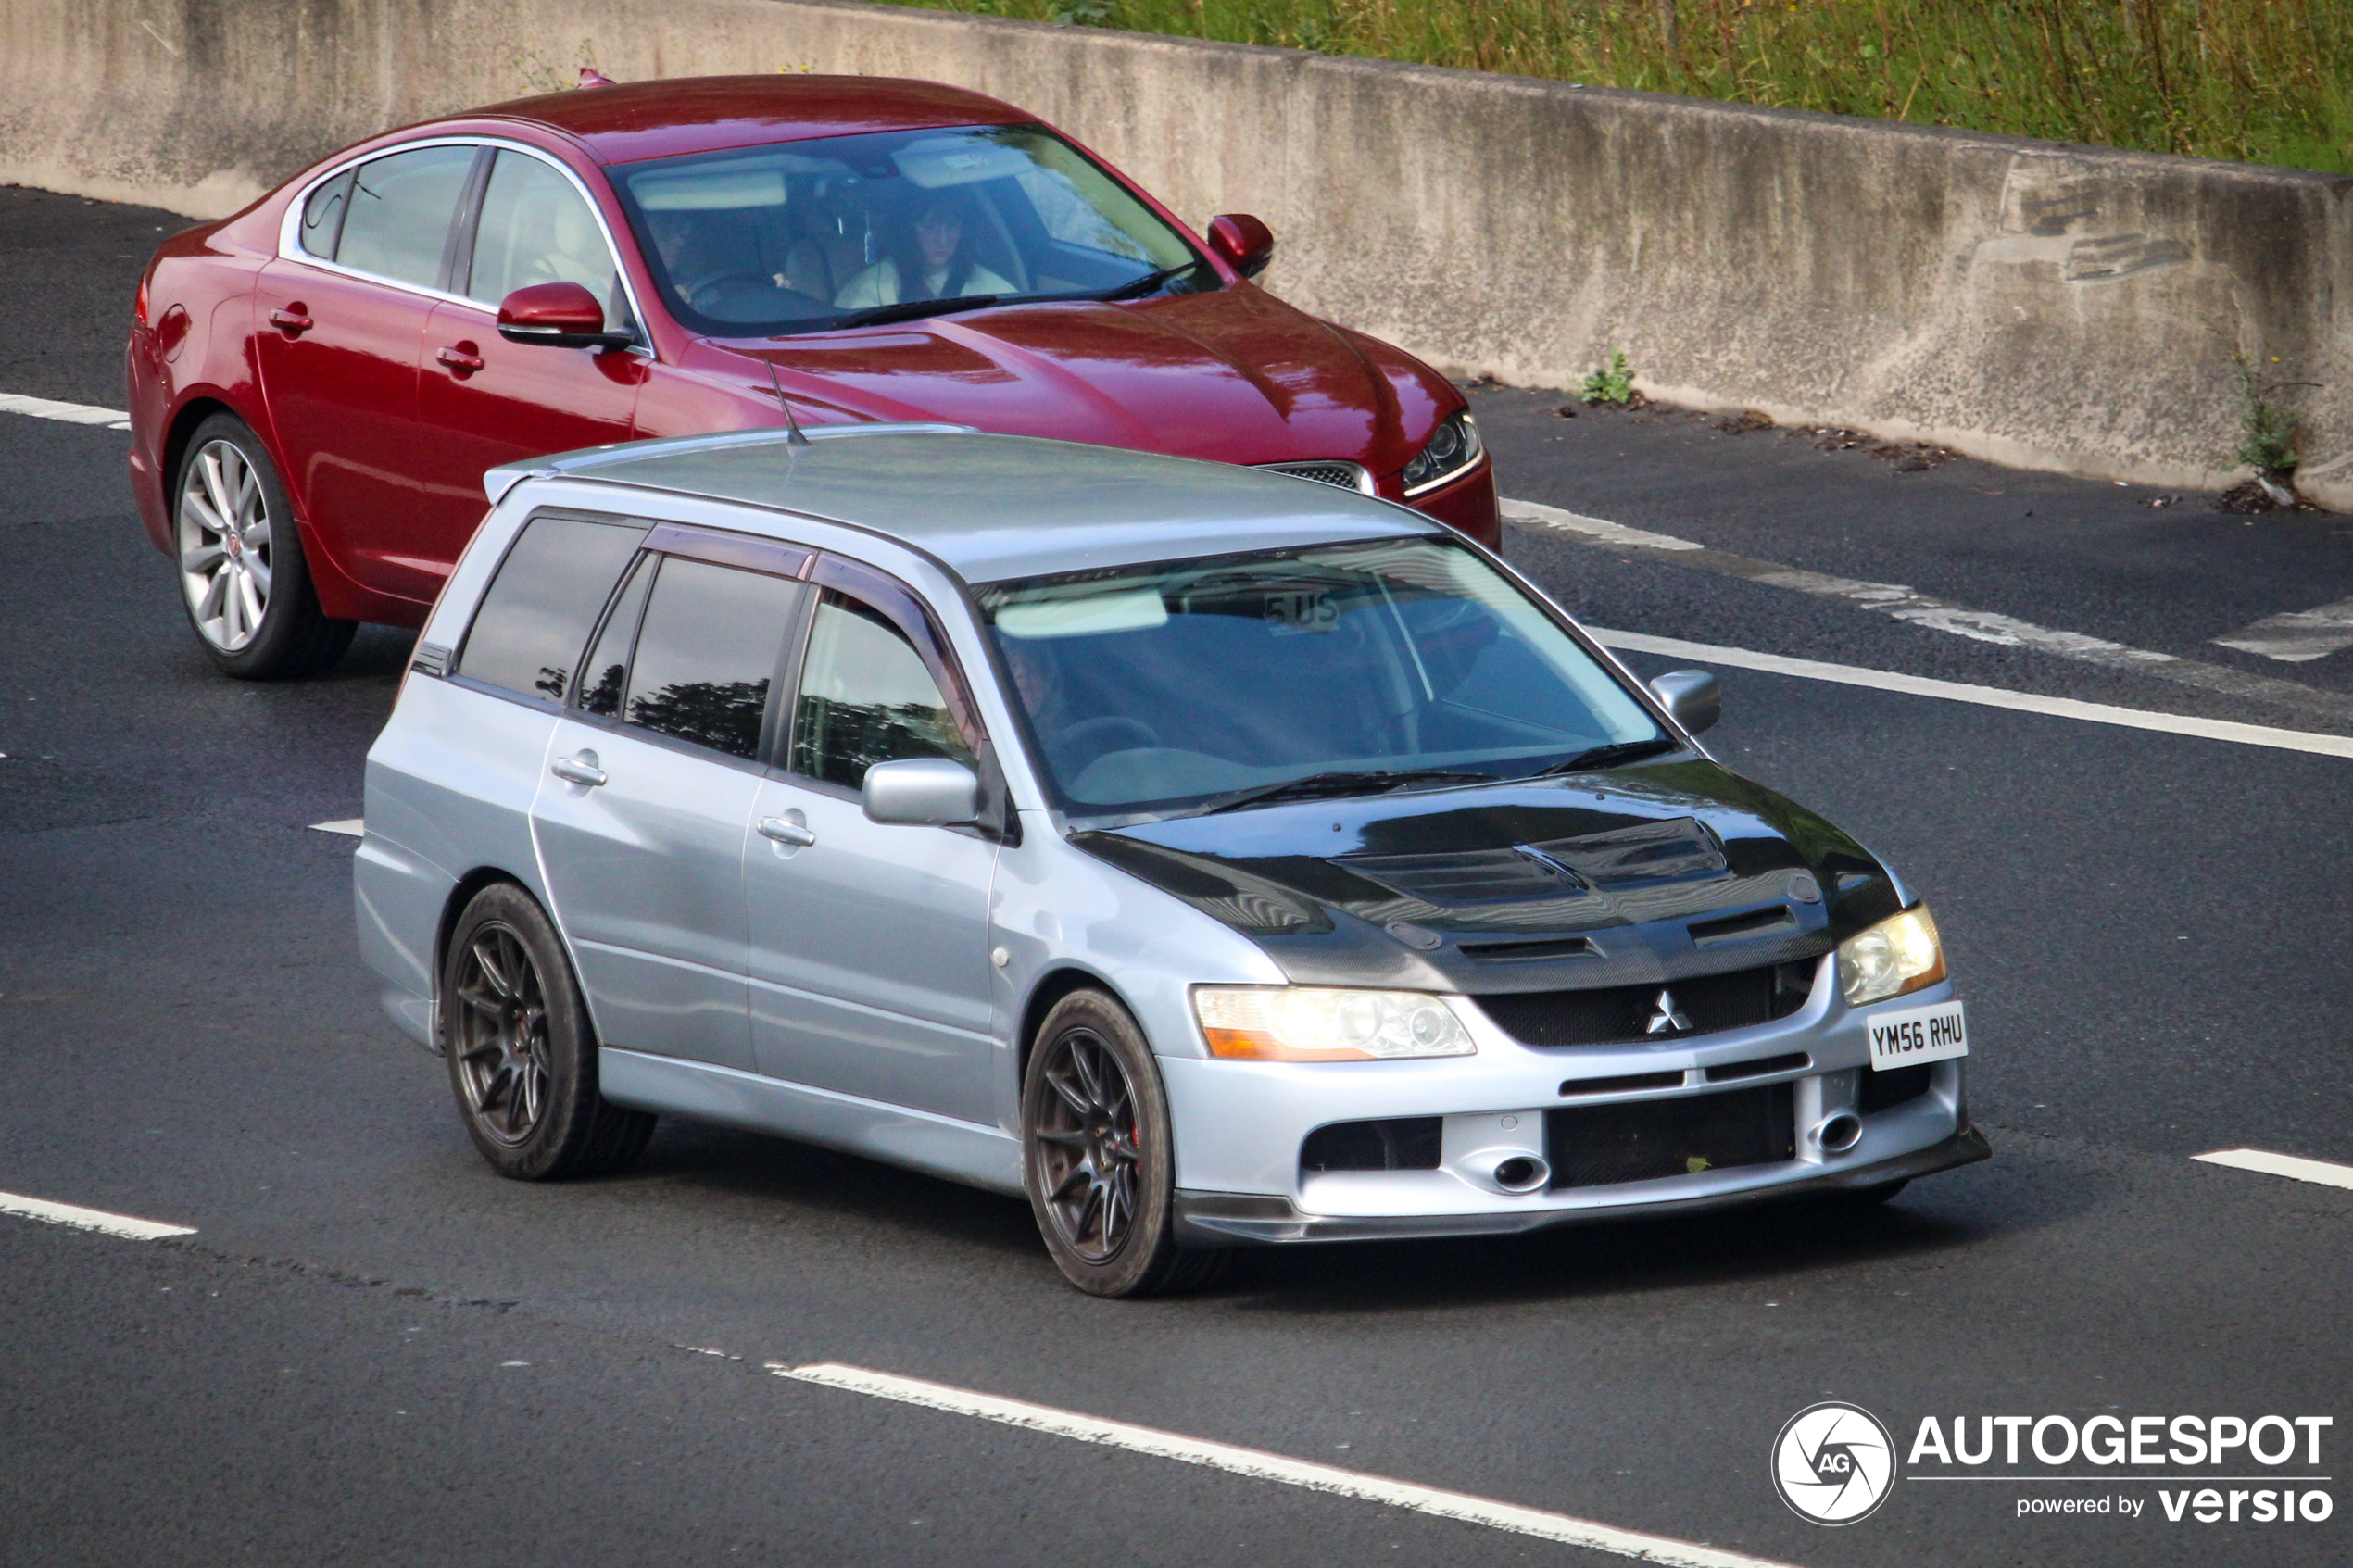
{"x":707,"y":652}
{"x":535,"y":619}
{"x":400,"y":211}
{"x":323,"y":215}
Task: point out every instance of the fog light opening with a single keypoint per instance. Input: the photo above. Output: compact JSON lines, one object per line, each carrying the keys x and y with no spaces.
{"x":1840,"y":1132}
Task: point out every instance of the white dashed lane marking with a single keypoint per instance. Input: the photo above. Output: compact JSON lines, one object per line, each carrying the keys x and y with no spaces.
{"x":1988,"y":697}
{"x":1260,"y":1465}
{"x":2302,"y":1170}
{"x":357,"y":827}
{"x":2298,"y":635}
{"x":88,"y":1218}
{"x":1910,"y":605}
{"x":70,"y":413}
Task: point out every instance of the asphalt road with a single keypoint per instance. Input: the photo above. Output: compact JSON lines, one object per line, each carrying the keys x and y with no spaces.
{"x":374,"y":1352}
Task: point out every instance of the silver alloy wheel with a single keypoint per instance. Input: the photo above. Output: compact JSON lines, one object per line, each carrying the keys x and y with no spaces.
{"x":1092,"y":1142}
{"x":501,"y":1044}
{"x":225,"y":553}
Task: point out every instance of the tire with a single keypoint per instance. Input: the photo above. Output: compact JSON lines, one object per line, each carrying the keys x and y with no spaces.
{"x":522,"y":1056}
{"x":243,"y":578}
{"x":1097,"y":1156}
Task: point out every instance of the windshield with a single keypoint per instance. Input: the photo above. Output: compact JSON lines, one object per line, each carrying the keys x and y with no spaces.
{"x":1197,"y":684}
{"x":802,"y":236}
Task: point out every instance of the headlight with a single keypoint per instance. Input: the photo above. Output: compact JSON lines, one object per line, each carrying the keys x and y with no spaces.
{"x":1901,"y":953}
{"x":1311,"y":1023}
{"x":1452,"y":451}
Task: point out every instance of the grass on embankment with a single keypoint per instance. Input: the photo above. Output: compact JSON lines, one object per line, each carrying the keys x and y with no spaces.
{"x":2260,"y":81}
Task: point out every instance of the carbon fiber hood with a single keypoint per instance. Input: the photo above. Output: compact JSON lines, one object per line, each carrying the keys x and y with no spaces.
{"x":1639,"y":874}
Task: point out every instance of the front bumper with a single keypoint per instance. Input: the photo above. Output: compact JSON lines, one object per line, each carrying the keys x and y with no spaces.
{"x":1220,"y":1219}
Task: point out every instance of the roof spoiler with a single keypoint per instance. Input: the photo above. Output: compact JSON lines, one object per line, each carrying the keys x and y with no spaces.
{"x":500,"y":479}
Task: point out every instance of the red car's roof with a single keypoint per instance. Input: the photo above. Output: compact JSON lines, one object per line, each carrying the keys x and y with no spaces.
{"x":698,"y":114}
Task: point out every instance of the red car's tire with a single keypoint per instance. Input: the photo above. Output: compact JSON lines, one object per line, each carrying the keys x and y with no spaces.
{"x":242,"y":579}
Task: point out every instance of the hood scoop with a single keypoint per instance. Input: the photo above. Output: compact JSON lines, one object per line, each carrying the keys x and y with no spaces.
{"x":1679,"y":850}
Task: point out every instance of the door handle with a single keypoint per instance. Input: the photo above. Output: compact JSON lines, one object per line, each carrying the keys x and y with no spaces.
{"x":292,"y":320}
{"x":784,"y":832}
{"x":580,"y":770}
{"x":462,"y":359}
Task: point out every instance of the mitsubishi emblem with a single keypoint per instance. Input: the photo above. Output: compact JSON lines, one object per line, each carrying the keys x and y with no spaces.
{"x":1666,"y":1017}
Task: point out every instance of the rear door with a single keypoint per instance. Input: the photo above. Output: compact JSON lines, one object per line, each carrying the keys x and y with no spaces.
{"x":652,"y":776}
{"x":337,"y":335}
{"x":482,"y":401}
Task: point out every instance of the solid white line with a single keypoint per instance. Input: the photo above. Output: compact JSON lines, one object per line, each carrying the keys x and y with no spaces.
{"x":71,"y":413}
{"x":89,"y":1219}
{"x":1596,"y":528}
{"x":1988,"y":697}
{"x":2319,"y":1170}
{"x":356,"y":826}
{"x":1265,"y":1466}
{"x":2298,"y":635}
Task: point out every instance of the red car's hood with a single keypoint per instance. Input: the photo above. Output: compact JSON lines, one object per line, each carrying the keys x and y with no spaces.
{"x":1234,"y":375}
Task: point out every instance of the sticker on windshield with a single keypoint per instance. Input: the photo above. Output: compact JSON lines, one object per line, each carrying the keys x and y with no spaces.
{"x":1308,"y":609}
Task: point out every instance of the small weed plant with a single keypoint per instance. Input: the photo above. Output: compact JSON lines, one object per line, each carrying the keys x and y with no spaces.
{"x":1613,"y":385}
{"x":2269,"y":430}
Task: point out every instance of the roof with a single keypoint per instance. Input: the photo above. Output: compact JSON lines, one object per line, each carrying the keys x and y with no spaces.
{"x":699,"y":114}
{"x":993,"y":507}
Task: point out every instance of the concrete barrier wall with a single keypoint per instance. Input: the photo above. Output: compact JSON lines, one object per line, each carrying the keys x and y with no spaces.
{"x":2043,"y":305}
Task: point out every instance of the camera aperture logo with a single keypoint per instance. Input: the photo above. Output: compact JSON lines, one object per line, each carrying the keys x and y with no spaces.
{"x":1834,"y":1463}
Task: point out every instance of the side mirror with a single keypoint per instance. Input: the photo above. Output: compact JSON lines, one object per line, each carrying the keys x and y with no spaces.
{"x":922,"y":792}
{"x":1694,"y":696}
{"x":1242,"y":243}
{"x":559,"y":315}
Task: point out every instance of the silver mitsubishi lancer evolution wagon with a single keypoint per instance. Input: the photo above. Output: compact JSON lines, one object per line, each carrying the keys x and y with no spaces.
{"x":1211,"y":856}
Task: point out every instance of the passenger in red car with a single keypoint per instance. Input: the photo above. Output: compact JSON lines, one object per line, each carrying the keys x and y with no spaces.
{"x":938,"y":261}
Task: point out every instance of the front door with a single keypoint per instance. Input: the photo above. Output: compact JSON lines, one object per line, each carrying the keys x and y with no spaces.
{"x":485,"y":401}
{"x":652,"y":783}
{"x":337,"y":356}
{"x":870,"y":971}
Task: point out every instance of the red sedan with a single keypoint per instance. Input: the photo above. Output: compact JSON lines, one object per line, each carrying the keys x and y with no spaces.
{"x":318,"y":383}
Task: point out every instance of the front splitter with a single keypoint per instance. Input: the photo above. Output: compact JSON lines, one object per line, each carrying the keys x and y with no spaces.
{"x":1220,"y":1219}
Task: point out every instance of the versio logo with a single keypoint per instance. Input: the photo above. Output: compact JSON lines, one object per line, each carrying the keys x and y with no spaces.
{"x":1834,"y":1463}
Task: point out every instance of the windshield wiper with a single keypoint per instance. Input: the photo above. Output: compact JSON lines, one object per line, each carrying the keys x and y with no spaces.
{"x":1320,"y":786}
{"x":1135,"y":288}
{"x":1610,"y":756}
{"x":909,"y":310}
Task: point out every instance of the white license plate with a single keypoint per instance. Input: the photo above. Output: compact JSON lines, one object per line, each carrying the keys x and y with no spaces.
{"x":1917,"y":1034}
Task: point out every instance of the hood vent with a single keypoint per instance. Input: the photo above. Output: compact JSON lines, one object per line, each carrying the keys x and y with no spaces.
{"x":1528,"y":951}
{"x":1468,"y":878}
{"x":1744,"y":927}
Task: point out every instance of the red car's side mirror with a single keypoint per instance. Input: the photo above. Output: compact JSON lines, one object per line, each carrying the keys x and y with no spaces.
{"x":559,"y":315}
{"x":1242,"y":243}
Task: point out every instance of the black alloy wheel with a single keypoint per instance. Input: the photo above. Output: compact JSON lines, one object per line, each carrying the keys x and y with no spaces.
{"x":522,"y":1061}
{"x":243,"y":578}
{"x":1098,"y":1158}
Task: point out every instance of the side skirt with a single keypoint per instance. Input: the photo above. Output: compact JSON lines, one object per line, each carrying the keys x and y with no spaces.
{"x":940,"y":1146}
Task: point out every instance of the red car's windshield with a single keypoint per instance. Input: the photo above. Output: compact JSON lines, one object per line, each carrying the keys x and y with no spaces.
{"x":808,"y":235}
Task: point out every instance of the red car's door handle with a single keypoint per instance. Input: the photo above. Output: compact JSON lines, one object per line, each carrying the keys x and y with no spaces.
{"x":292,"y":320}
{"x":462,"y":359}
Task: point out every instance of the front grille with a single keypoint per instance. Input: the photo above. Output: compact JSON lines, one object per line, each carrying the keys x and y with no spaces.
{"x":1398,"y":1143}
{"x":1348,"y":476}
{"x":1613,"y":1014}
{"x":1591,"y":1146}
{"x":1894,"y":1087}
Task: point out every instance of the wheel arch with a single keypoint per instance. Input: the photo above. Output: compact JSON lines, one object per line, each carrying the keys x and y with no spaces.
{"x":1048,"y":990}
{"x":182,"y":427}
{"x":462,"y":892}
